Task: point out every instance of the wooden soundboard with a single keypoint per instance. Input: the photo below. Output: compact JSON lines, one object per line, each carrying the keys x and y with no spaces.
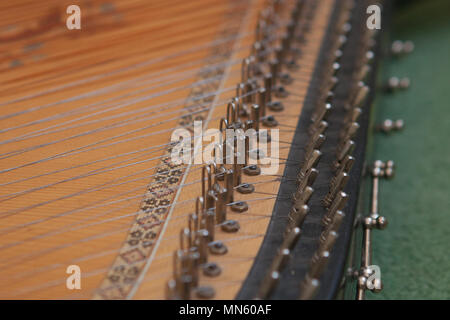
{"x":86,"y":119}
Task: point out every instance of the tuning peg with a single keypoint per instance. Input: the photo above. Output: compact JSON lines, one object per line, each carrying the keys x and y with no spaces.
{"x":388,"y":125}
{"x":399,"y":48}
{"x":396,"y":83}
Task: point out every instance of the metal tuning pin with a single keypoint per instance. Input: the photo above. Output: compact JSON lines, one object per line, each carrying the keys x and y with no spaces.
{"x":185,"y":273}
{"x":331,"y":84}
{"x":291,"y":238}
{"x":208,"y":222}
{"x":388,"y":126}
{"x":208,"y":194}
{"x":338,"y":55}
{"x":395,"y":84}
{"x":279,"y":90}
{"x":319,"y":116}
{"x":400,"y":48}
{"x":308,"y":164}
{"x":363,"y":72}
{"x":315,"y":142}
{"x":251,"y":155}
{"x":308,"y":180}
{"x":265,"y":101}
{"x":293,"y":52}
{"x":247,"y":89}
{"x":339,"y":185}
{"x":268,"y":284}
{"x":304,"y":189}
{"x":346,"y":149}
{"x":238,"y":206}
{"x":254,"y":119}
{"x":310,"y":284}
{"x":261,"y":33}
{"x":239,"y":164}
{"x":327,"y":97}
{"x":270,"y":280}
{"x":308,"y":288}
{"x":262,"y":103}
{"x":302,"y":197}
{"x":183,"y":281}
{"x":296,"y":218}
{"x":233,"y":119}
{"x":318,"y":264}
{"x":275,"y":106}
{"x":219,"y":150}
{"x":332,"y":73}
{"x":338,"y":204}
{"x":352,"y":115}
{"x":258,"y":49}
{"x":209,"y":198}
{"x":320,"y":128}
{"x":221,"y":194}
{"x":347,"y":133}
{"x":366,"y":58}
{"x":171,"y":290}
{"x":201,"y":243}
{"x":326,"y":244}
{"x":361,"y":93}
{"x":333,"y":226}
{"x":346,"y":166}
{"x":278,"y":263}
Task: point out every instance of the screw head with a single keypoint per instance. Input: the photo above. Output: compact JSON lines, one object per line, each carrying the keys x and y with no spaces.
{"x":211,"y":269}
{"x":276,"y":106}
{"x":362,"y":282}
{"x":230,"y":226}
{"x":217,"y":248}
{"x":240,"y":206}
{"x":252,"y":170}
{"x":404,"y":83}
{"x":245,"y":188}
{"x":408,"y":46}
{"x":270,"y":121}
{"x":381,"y":222}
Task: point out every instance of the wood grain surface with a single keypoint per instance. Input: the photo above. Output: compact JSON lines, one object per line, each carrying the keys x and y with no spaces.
{"x":85,"y":121}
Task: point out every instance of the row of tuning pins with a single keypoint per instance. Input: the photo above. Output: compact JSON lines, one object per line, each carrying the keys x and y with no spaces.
{"x":353,"y":109}
{"x":198,"y":240}
{"x":292,"y":233}
{"x":266,"y":72}
{"x":219,"y":182}
{"x":334,"y":215}
{"x":356,"y":96}
{"x":336,"y":198}
{"x":308,"y":171}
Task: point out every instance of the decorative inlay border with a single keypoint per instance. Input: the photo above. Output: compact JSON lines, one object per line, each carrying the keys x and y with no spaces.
{"x":161,"y":190}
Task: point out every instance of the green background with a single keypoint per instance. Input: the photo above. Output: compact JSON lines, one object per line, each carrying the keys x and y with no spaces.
{"x":413,"y":251}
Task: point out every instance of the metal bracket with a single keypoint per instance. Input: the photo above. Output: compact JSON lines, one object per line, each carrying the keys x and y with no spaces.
{"x":367,"y":277}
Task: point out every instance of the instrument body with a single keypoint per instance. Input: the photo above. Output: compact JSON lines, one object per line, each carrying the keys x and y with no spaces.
{"x":88,"y":178}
